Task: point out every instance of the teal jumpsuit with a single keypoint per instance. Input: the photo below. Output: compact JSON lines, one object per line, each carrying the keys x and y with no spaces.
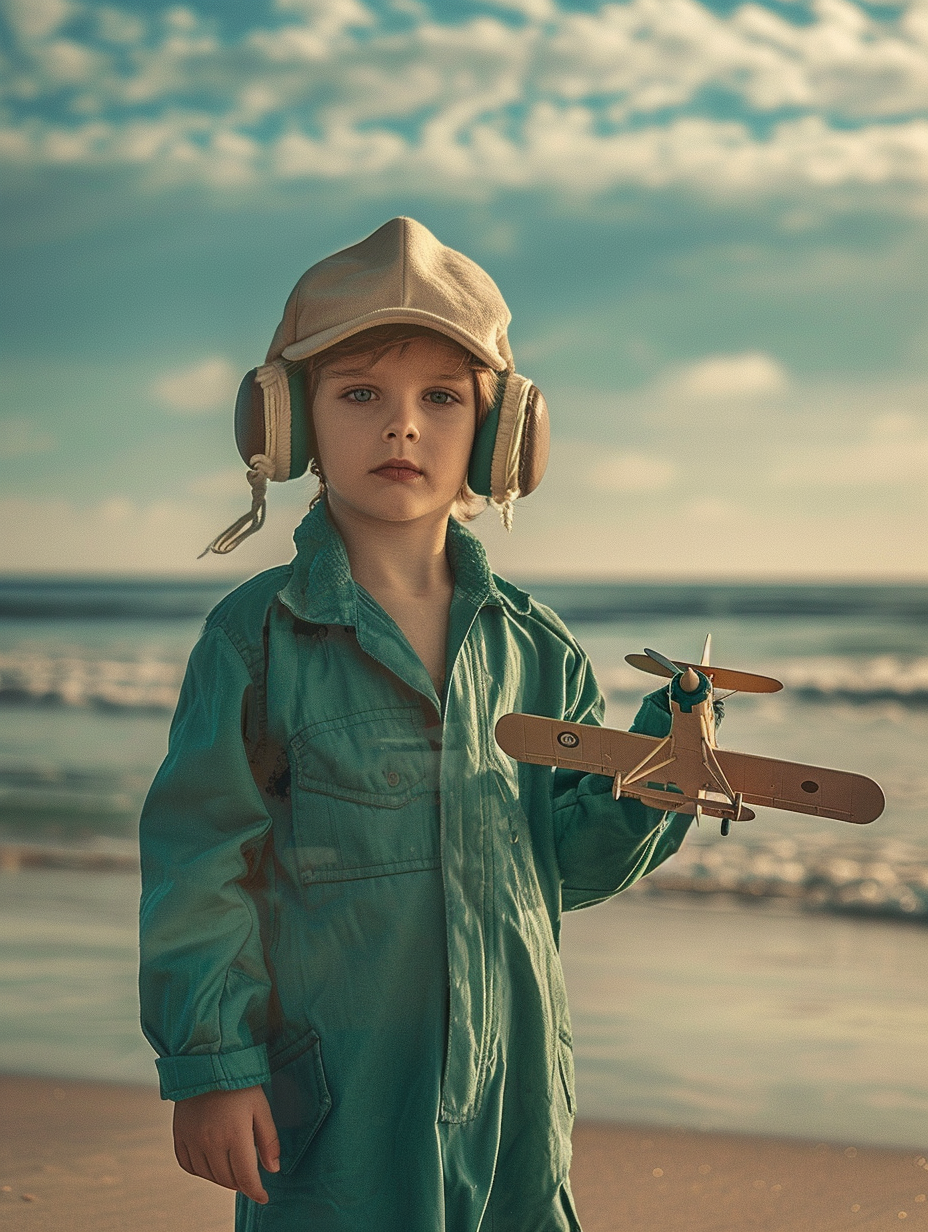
{"x":352,"y":896}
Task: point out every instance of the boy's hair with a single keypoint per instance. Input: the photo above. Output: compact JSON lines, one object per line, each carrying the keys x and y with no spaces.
{"x":371,"y":345}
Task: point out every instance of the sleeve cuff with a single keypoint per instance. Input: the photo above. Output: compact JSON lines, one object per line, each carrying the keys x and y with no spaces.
{"x":184,"y":1077}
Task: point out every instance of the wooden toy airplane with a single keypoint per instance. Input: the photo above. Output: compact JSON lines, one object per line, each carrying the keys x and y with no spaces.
{"x":686,"y":771}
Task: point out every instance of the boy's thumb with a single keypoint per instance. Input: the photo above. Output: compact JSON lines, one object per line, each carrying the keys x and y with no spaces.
{"x":266,"y":1140}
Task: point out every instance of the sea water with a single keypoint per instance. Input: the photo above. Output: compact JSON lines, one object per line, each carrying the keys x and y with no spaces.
{"x":790,"y":999}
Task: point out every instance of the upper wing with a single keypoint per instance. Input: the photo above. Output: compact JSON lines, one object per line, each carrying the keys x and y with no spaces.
{"x":575,"y":746}
{"x":721,"y":677}
{"x":802,"y":789}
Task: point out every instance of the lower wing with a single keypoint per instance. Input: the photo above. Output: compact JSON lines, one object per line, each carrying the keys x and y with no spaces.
{"x":788,"y":785}
{"x":573,"y":746}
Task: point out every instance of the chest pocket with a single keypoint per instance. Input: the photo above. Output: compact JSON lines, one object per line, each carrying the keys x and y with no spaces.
{"x":366,"y":803}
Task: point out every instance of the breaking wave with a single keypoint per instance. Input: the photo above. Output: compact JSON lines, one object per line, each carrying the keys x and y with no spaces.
{"x":827,"y":679}
{"x":86,"y":680}
{"x":101,"y":682}
{"x":884,"y":879}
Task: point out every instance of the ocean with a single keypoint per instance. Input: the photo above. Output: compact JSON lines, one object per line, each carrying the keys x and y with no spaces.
{"x":773,"y":981}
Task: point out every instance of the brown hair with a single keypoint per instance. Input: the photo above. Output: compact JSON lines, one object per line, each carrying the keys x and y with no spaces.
{"x":373,"y":344}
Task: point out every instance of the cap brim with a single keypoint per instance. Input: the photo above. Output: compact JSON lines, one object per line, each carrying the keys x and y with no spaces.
{"x":392,"y":316}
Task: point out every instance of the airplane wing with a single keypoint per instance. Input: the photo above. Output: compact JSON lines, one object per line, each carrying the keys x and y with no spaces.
{"x":802,"y":789}
{"x":574,"y":746}
{"x":766,"y":781}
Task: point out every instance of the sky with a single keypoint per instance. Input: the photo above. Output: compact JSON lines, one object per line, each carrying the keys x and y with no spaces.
{"x":708,"y":220}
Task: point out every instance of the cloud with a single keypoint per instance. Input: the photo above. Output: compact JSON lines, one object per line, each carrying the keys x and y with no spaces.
{"x":206,"y":386}
{"x":118,"y":534}
{"x":36,"y":19}
{"x":20,"y":438}
{"x":891,"y":452}
{"x":535,"y":95}
{"x":745,"y":376}
{"x":632,"y":472}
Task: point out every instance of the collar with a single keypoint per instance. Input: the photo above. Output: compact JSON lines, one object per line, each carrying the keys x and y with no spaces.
{"x":322,"y":591}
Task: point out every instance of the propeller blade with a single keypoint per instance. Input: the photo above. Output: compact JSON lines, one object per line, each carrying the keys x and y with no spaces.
{"x":667,"y":664}
{"x":706,"y":651}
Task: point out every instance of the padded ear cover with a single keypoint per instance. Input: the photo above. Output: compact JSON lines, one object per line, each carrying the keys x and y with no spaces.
{"x":271,"y":420}
{"x":508,"y":459}
{"x":510,"y":451}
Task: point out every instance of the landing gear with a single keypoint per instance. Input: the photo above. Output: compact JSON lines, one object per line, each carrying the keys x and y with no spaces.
{"x":738,"y":804}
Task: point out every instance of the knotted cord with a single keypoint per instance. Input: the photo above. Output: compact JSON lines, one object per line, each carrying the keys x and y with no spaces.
{"x":260,"y":470}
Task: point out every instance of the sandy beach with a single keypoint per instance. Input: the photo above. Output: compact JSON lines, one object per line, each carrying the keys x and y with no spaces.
{"x":92,"y":1157}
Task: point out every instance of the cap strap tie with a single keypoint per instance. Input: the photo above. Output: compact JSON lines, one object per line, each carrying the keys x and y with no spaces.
{"x":505,"y":512}
{"x":260,"y":469}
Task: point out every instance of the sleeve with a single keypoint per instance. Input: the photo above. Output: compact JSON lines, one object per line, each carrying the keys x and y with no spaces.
{"x":605,"y":845}
{"x":203,"y":982}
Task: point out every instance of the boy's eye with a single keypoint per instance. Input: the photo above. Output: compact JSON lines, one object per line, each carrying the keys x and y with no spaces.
{"x":360,"y":395}
{"x":440,"y":397}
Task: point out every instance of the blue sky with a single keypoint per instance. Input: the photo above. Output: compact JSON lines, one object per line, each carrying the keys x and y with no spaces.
{"x":707,"y":218}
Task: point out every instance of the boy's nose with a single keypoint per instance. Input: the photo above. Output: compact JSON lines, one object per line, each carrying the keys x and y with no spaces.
{"x":401,"y":426}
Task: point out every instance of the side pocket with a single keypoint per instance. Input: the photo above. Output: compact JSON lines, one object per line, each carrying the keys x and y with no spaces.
{"x":298,"y":1096}
{"x":565,"y":1062}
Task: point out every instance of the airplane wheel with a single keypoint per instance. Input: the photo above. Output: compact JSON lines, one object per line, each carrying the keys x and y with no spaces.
{"x":726,"y":827}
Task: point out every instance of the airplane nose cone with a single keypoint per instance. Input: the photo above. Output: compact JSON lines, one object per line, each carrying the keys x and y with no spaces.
{"x":689,"y":681}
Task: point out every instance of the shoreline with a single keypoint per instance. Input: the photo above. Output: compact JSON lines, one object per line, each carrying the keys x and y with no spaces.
{"x":97,"y":1157}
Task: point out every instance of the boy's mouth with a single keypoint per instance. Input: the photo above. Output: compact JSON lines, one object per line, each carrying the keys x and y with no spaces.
{"x":400,"y":470}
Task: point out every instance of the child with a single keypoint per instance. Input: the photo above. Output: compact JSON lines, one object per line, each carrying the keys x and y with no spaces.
{"x":351,"y":896}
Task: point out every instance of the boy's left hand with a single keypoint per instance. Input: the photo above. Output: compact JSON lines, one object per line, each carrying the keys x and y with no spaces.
{"x":217,"y":1135}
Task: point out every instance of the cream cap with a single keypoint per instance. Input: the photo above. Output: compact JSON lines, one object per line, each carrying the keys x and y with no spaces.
{"x":401,"y":274}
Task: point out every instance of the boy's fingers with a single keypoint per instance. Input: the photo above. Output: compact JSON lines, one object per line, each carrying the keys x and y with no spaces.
{"x":218,"y":1160}
{"x":200,"y":1166}
{"x":183,"y":1156}
{"x":243,"y":1166}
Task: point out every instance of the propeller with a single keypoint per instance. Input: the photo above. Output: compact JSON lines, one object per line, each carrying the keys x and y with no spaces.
{"x":663,"y":661}
{"x":689,"y":681}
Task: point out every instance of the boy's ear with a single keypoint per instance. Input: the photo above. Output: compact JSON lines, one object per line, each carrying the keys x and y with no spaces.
{"x":272,"y":420}
{"x":510,"y":450}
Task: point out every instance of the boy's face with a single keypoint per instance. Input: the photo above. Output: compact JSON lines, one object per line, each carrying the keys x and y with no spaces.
{"x":395,"y":436}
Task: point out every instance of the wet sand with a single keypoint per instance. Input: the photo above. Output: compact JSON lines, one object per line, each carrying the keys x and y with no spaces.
{"x":89,"y":1157}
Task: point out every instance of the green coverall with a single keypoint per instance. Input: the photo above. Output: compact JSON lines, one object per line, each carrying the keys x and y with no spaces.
{"x":352,"y":896}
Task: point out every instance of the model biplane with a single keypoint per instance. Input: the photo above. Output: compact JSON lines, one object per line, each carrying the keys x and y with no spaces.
{"x":686,"y":771}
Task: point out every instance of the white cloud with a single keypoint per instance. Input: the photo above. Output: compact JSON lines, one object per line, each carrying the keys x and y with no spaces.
{"x":121,"y":535}
{"x":747,"y":376}
{"x":632,"y":472}
{"x":35,"y":19}
{"x":209,"y":385}
{"x":892,"y":452}
{"x":572,"y":102}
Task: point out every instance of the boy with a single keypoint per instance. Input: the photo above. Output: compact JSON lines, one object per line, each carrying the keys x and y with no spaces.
{"x":351,"y":896}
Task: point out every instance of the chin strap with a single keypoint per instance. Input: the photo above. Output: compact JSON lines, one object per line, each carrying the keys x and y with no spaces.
{"x":261,"y":468}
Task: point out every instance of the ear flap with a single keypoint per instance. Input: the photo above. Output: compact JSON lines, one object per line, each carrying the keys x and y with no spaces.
{"x":272,"y":421}
{"x":510,"y":451}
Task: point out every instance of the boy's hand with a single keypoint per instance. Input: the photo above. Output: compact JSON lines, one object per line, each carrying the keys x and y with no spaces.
{"x":216,"y":1134}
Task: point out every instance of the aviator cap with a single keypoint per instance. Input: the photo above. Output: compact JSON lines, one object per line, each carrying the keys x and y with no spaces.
{"x":399,"y":275}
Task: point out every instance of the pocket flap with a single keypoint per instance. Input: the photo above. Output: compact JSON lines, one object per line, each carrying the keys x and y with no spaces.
{"x":299,"y":1098}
